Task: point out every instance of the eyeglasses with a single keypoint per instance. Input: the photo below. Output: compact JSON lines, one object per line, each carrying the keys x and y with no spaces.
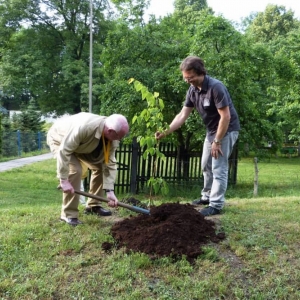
{"x":188,"y":79}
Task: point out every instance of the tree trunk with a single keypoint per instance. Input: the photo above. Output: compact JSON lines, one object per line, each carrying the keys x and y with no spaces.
{"x":255,"y":191}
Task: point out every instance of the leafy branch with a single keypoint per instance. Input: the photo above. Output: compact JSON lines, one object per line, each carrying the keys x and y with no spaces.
{"x":148,"y":122}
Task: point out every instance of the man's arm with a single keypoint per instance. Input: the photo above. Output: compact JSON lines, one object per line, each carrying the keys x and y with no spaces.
{"x":224,"y":113}
{"x":176,"y":123}
{"x":216,"y":148}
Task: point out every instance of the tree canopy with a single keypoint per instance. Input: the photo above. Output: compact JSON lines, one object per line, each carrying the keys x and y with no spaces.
{"x":44,"y":56}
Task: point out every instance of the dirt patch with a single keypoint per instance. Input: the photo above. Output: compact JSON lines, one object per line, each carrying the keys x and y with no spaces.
{"x":171,"y":229}
{"x":135,"y":202}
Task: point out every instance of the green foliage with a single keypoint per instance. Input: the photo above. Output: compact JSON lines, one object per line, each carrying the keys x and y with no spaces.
{"x":50,"y":57}
{"x":132,"y":10}
{"x":145,"y":124}
{"x":279,"y":31}
{"x":274,"y":22}
{"x":21,"y":131}
{"x":195,"y":5}
{"x":0,"y":134}
{"x":9,"y":146}
{"x":29,"y":120}
{"x":248,"y":71}
{"x":286,"y":96}
{"x":156,"y":52}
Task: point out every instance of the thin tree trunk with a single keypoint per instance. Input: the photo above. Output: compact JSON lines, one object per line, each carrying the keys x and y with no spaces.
{"x":255,"y":191}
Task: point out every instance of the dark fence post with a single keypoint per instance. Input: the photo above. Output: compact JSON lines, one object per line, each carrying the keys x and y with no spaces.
{"x":134,"y":164}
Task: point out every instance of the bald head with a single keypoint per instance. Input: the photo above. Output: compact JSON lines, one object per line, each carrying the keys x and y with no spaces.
{"x":118,"y":124}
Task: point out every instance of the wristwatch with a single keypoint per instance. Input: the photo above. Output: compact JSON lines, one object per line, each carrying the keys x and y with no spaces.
{"x":218,"y":142}
{"x":107,"y":191}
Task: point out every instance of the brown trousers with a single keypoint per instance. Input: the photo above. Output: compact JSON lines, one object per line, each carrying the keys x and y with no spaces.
{"x":71,"y":201}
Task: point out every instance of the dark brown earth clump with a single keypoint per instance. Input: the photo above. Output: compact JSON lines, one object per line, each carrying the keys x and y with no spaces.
{"x":171,"y":229}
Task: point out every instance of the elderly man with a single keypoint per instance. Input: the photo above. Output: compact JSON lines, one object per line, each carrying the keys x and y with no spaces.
{"x":88,"y":140}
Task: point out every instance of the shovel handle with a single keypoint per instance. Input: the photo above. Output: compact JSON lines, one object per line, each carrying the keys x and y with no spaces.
{"x":130,"y":207}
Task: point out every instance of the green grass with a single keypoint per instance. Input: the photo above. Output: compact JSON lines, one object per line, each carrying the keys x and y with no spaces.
{"x":276,"y":176}
{"x":42,"y":258}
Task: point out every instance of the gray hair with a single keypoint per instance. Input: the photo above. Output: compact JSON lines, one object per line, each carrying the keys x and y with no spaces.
{"x":117,"y":122}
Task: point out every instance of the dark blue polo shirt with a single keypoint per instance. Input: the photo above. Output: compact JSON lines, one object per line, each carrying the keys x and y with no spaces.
{"x":213,"y":95}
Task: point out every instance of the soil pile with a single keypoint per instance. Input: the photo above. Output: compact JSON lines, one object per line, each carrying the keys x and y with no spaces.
{"x":171,"y":229}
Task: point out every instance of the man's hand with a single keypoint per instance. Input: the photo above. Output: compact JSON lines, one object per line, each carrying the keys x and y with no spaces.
{"x":159,"y":135}
{"x":66,"y":186}
{"x":216,"y":150}
{"x":113,"y":201}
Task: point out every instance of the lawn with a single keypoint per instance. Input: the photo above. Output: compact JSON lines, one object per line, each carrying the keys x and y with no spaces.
{"x":42,"y":258}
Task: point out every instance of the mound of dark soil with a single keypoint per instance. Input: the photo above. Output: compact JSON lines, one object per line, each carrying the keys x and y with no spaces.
{"x":171,"y":229}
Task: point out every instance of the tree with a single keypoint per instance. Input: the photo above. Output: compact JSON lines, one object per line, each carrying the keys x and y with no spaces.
{"x":49,"y":57}
{"x":196,"y":5}
{"x":144,"y":124}
{"x":151,"y":54}
{"x":0,"y":133}
{"x":287,"y":100}
{"x":132,"y":10}
{"x":47,"y":60}
{"x":29,"y":120}
{"x":275,"y":21}
{"x":279,"y":31}
{"x":248,"y":71}
{"x":157,"y":52}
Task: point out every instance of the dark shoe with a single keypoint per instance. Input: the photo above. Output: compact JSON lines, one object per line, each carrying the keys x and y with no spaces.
{"x":209,"y":211}
{"x":200,"y":202}
{"x":71,"y":221}
{"x":97,"y":210}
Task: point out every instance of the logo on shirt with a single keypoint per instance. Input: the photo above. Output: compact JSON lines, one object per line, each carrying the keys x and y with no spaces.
{"x":206,"y":102}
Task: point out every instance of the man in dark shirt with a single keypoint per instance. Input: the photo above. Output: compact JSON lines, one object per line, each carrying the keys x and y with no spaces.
{"x":211,"y":99}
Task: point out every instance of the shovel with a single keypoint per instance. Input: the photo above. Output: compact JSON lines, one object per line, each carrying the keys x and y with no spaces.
{"x":130,"y":207}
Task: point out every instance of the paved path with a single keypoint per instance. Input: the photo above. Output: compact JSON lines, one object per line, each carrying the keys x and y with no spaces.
{"x":16,"y":163}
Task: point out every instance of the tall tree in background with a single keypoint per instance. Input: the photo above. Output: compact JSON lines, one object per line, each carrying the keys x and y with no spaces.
{"x":150,"y":53}
{"x":47,"y":53}
{"x":29,"y":120}
{"x":45,"y":56}
{"x":246,"y":69}
{"x":278,"y":30}
{"x":196,"y":5}
{"x":131,"y":11}
{"x":274,"y":22}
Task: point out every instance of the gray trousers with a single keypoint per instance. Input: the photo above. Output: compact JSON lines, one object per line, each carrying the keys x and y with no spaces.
{"x":215,"y":171}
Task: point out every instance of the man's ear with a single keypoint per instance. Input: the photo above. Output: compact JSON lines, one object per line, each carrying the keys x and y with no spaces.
{"x":111,"y":132}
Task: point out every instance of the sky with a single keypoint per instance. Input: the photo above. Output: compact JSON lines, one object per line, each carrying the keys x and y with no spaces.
{"x":232,"y":10}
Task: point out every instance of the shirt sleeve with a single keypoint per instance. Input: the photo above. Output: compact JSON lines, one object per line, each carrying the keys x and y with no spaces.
{"x":220,"y":95}
{"x":188,"y":102}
